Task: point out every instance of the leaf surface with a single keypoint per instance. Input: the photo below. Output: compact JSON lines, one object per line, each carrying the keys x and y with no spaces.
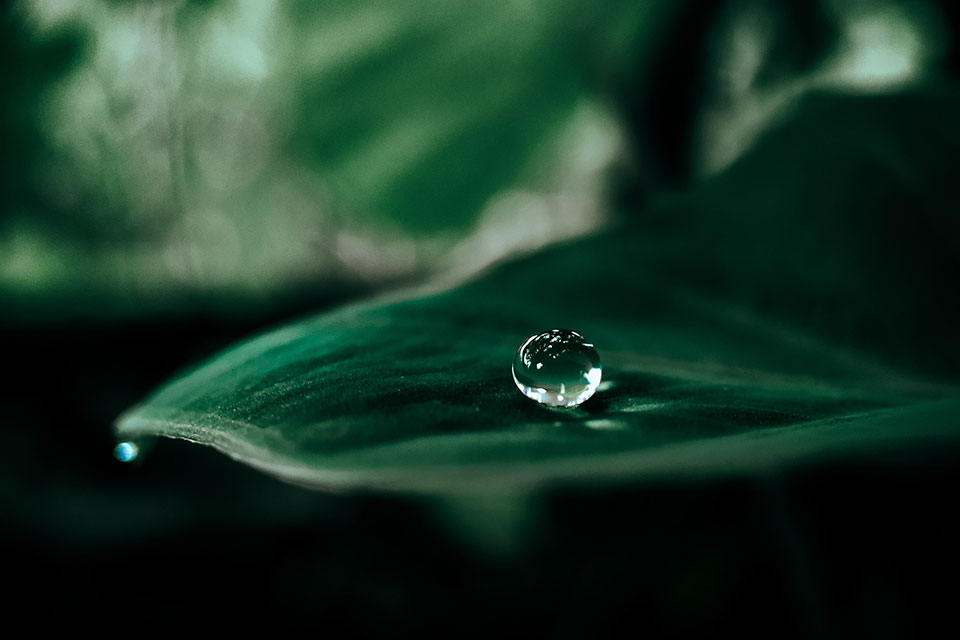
{"x":780,"y":313}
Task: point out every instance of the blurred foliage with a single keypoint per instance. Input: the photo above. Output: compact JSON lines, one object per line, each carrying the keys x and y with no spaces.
{"x":233,"y":148}
{"x":170,"y":155}
{"x":734,"y":340}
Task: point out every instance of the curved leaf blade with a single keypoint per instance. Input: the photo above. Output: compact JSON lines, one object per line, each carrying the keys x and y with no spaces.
{"x":725,"y":347}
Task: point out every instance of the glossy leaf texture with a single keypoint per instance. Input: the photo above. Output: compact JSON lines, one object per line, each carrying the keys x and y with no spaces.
{"x":797,"y":306}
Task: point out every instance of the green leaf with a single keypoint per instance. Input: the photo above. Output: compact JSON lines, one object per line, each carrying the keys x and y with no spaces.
{"x":786,"y":311}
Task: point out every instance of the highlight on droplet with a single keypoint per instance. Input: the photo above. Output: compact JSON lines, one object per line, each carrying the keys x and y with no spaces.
{"x":126,"y":451}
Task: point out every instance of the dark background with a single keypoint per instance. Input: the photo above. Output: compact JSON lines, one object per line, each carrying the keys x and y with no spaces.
{"x":185,"y":538}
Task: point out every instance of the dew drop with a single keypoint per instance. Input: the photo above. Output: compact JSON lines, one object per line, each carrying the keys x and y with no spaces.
{"x":126,"y":451}
{"x":558,"y":368}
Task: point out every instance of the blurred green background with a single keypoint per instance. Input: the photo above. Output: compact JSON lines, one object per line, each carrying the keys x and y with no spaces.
{"x":162,"y":156}
{"x":177,"y":175}
{"x":244,"y":150}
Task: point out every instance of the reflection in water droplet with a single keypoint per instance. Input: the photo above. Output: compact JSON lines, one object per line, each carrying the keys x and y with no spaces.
{"x":606,"y":425}
{"x":557,"y":367}
{"x":126,"y":452}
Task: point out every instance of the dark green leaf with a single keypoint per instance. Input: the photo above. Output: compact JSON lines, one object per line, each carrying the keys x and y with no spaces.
{"x":792,"y":308}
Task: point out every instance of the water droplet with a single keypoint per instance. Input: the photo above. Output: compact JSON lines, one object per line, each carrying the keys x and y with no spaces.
{"x":126,"y":452}
{"x":557,"y":367}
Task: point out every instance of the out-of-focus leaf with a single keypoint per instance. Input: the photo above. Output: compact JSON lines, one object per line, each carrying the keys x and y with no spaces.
{"x":792,"y":308}
{"x":242,"y":150}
